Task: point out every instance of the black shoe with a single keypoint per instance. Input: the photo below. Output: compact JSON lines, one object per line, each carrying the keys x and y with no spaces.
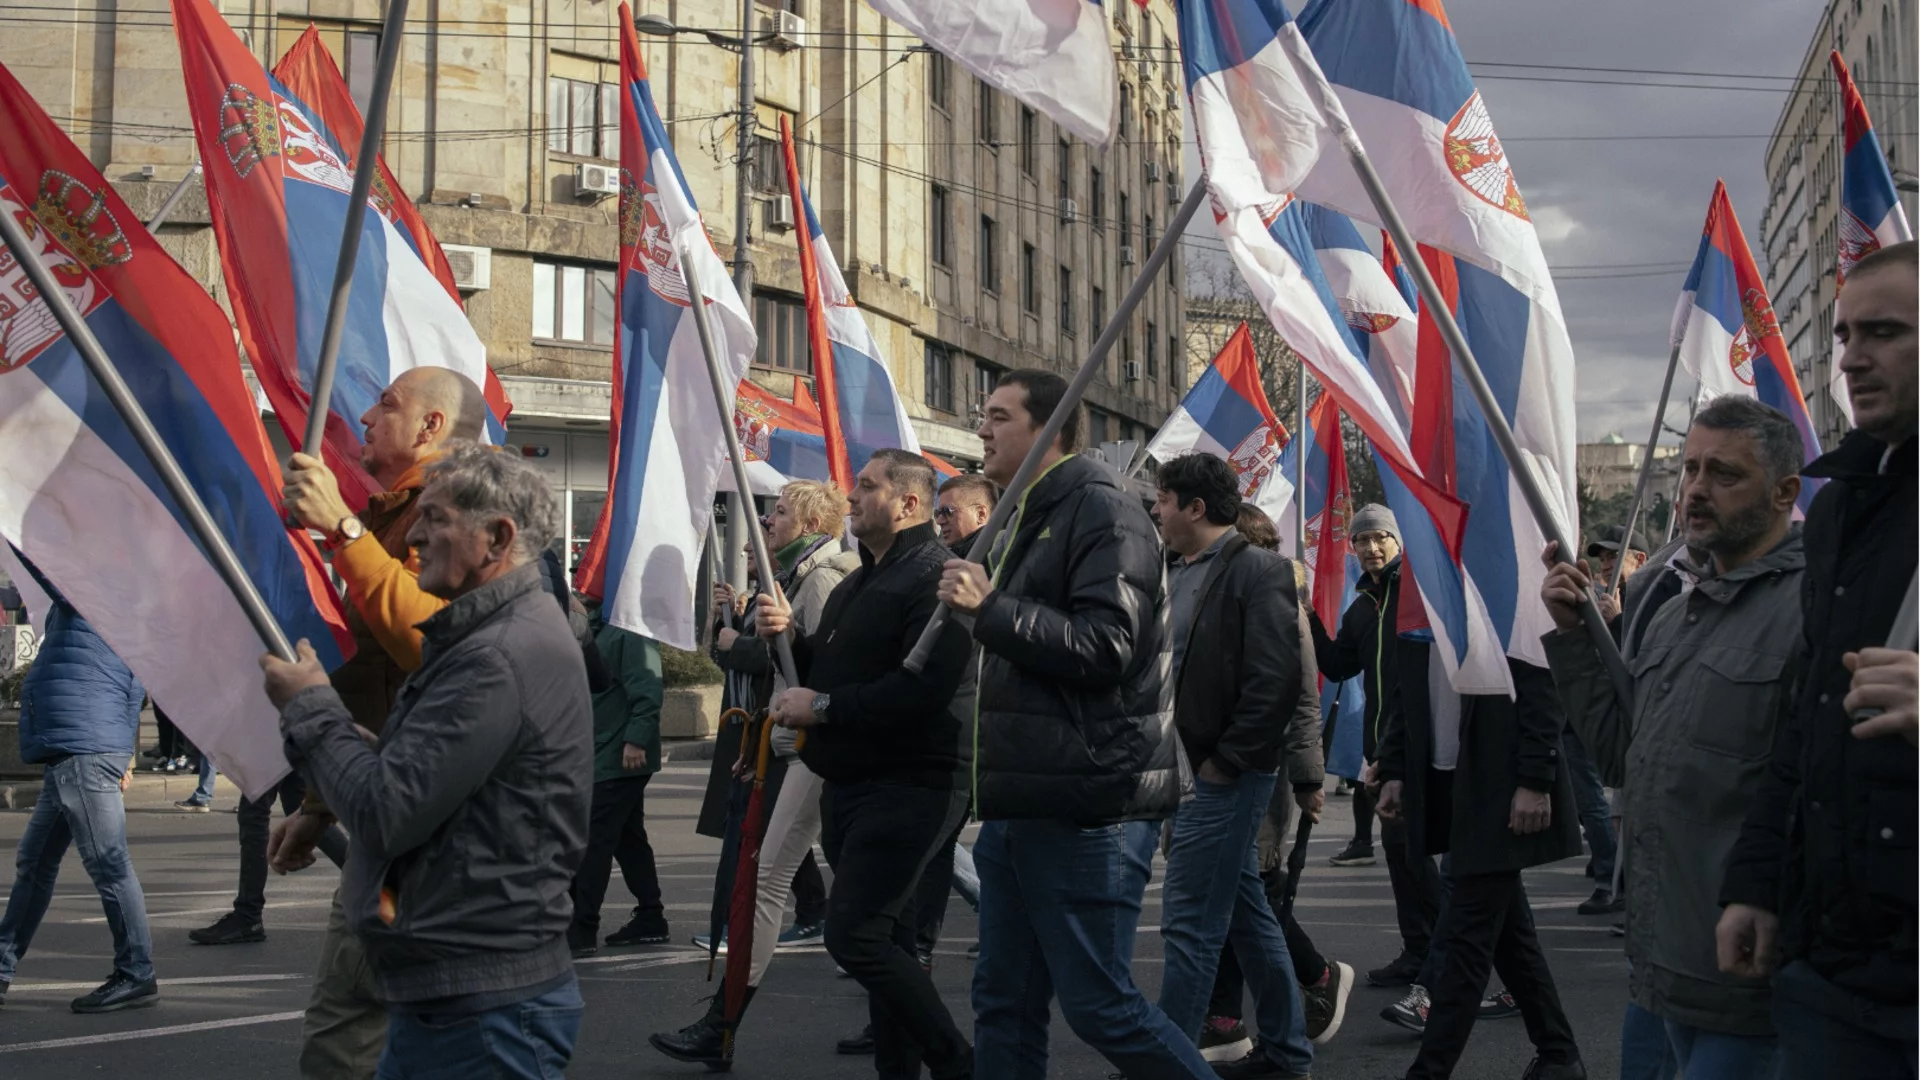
{"x":859,"y":1044}
{"x":704,"y":1041}
{"x":1500,"y":1006}
{"x":1410,"y":1012}
{"x":1544,"y":1070}
{"x":1356,"y":854}
{"x":641,"y":931}
{"x":1255,"y":1066}
{"x":581,"y":945}
{"x":232,"y":929}
{"x":1224,"y":1038}
{"x":1404,"y":969}
{"x":1602,"y":902}
{"x":118,"y":992}
{"x":1326,"y":1004}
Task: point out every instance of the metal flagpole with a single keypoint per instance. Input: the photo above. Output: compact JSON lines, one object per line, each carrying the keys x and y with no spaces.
{"x":1646,"y":471}
{"x":762,"y":561}
{"x":1522,"y":471}
{"x":318,"y":406}
{"x":1300,"y":462}
{"x":245,"y":593}
{"x":179,"y":191}
{"x":1090,"y":367}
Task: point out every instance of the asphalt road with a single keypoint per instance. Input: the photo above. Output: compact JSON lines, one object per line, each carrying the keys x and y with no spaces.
{"x":234,"y":1011}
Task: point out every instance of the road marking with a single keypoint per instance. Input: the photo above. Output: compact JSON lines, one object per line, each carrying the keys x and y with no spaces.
{"x":197,"y":980}
{"x":150,"y":1033}
{"x":658,"y":962}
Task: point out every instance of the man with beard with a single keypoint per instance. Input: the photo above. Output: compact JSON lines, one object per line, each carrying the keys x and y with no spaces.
{"x":1711,"y":674}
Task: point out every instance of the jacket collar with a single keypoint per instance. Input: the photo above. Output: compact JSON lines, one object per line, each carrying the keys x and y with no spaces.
{"x":1788,"y":555}
{"x":1065,"y":476}
{"x":461,"y":617}
{"x":1379,"y":588}
{"x":1858,"y":456}
{"x":903,"y":541}
{"x":405,"y":488}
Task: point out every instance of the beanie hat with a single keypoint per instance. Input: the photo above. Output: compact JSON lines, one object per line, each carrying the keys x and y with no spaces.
{"x":1374,"y":518}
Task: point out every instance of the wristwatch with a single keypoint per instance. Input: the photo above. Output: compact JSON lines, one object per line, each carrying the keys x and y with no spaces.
{"x":346,"y":531}
{"x":821,"y":702}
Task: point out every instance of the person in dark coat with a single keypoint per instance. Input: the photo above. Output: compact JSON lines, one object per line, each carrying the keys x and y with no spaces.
{"x":1820,"y":889}
{"x":1480,"y":778}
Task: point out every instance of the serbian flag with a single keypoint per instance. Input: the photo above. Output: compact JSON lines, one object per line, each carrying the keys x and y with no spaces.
{"x":277,"y":187}
{"x":1378,"y":312}
{"x":1258,"y":129}
{"x":787,"y":435}
{"x":1871,"y":216}
{"x":80,"y":500}
{"x":1727,"y":333}
{"x":859,"y":409}
{"x":668,"y":448}
{"x":1051,"y":54}
{"x":309,"y":71}
{"x":1402,"y":81}
{"x":1273,"y":251}
{"x":1226,"y":414}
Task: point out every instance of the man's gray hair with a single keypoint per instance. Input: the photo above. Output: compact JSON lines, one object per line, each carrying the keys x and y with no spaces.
{"x":486,"y":484}
{"x":1781,"y":453}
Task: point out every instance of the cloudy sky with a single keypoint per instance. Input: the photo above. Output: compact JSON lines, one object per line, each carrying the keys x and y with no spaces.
{"x":1606,"y":208}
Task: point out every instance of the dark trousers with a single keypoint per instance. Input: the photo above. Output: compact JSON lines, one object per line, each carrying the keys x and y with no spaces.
{"x":1229,"y":986}
{"x":1490,"y":927}
{"x":809,"y":894}
{"x":1416,"y":888}
{"x":256,"y":820}
{"x":930,"y":900}
{"x":616,"y":830}
{"x":1827,"y":1030}
{"x":880,"y":838}
{"x":1362,"y":816}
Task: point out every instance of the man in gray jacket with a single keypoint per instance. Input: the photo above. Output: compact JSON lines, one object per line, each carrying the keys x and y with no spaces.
{"x":469,"y":817}
{"x":1711,"y":673}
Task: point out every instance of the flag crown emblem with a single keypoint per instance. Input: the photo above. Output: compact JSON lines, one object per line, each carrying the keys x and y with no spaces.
{"x":1757,"y":324}
{"x":27,"y":324}
{"x":78,"y":219}
{"x":655,"y":247}
{"x":250,"y":129}
{"x":1479,"y":162}
{"x":1254,"y":459}
{"x":753,"y":422}
{"x":1856,"y":241}
{"x":1371,"y":322}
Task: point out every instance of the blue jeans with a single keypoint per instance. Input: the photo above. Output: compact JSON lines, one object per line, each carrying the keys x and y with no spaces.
{"x":531,"y":1040}
{"x":204,"y":793}
{"x":966,"y":879}
{"x":1059,"y":905}
{"x":1590,"y":798}
{"x":1214,"y":894}
{"x":1826,"y":1030}
{"x":1698,"y":1054}
{"x":79,"y":804}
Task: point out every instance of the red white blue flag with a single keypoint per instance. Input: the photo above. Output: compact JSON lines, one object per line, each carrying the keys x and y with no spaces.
{"x":1728,"y":336}
{"x":1258,"y":129}
{"x":1871,"y":216}
{"x":859,"y":409}
{"x":1379,"y":311}
{"x":79,"y":498}
{"x":667,"y":448}
{"x":278,"y":183}
{"x":1226,"y":414}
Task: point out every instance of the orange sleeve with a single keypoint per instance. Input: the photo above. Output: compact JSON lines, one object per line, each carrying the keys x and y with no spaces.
{"x":387,"y":594}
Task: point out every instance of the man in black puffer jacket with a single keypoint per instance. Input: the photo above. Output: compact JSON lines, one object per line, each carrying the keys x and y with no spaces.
{"x":887,"y":743}
{"x":1077,"y":760}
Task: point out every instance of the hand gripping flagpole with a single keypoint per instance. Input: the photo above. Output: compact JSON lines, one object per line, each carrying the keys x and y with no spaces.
{"x":245,"y":593}
{"x":1096,"y":359}
{"x":783,"y":647}
{"x":1315,"y":81}
{"x":319,"y":406}
{"x":1645,"y":479}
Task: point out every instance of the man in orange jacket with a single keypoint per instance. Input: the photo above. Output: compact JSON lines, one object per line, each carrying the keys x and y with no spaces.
{"x":345,"y":1027}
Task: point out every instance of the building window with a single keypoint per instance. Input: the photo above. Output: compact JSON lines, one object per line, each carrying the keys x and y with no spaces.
{"x":1097,"y":311}
{"x":1029,"y":279}
{"x":1173,"y":362}
{"x":574,"y":304}
{"x":1029,"y":142}
{"x":363,"y":55}
{"x":583,"y":118}
{"x":782,"y":324}
{"x":940,"y":81}
{"x":1126,"y":220}
{"x":988,"y":131}
{"x":1146,"y":231}
{"x":769,"y":167}
{"x":985,"y":378}
{"x":1062,"y":162}
{"x":1126,"y":110}
{"x":941,"y":224}
{"x":1066,"y":301}
{"x":1097,"y":198}
{"x":1096,"y":427}
{"x":989,"y":256}
{"x":939,"y":377}
{"x":1153,"y":352}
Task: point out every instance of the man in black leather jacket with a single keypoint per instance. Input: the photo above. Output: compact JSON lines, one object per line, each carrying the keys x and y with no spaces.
{"x":1077,"y":758}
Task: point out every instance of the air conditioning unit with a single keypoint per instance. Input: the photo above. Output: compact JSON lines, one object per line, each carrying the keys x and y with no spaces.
{"x":596,"y":180}
{"x":1069,"y":211}
{"x":1146,"y":71}
{"x":1174,"y":193}
{"x":780,"y":215}
{"x":1126,"y":48}
{"x":788,"y":30}
{"x":1126,"y":255}
{"x":1173,"y":101}
{"x":1153,"y":172}
{"x":472,"y":266}
{"x":1133,"y":370}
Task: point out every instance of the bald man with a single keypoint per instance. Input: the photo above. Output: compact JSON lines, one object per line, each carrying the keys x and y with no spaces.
{"x":346,"y":1026}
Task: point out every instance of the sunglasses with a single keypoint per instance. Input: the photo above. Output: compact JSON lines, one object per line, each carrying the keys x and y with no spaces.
{"x":941,"y":513}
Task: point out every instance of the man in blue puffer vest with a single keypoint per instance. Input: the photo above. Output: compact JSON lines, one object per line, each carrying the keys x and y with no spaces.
{"x":79,"y":717}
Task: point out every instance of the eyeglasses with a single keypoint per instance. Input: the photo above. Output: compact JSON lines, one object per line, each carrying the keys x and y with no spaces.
{"x":941,"y":513}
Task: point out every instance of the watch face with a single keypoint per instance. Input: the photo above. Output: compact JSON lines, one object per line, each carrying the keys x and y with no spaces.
{"x":820,"y":703}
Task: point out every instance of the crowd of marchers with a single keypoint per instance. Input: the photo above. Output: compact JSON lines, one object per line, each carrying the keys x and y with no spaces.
{"x":1121,"y":682}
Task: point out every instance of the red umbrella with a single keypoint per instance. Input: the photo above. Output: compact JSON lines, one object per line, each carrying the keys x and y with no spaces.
{"x":746,"y":883}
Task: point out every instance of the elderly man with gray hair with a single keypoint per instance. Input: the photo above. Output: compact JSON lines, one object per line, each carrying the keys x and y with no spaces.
{"x":469,"y":816}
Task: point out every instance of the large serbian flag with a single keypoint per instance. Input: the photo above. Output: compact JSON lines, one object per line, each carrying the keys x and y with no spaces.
{"x":309,"y":72}
{"x":277,"y":186}
{"x":668,"y":446}
{"x":1728,"y":335}
{"x":1257,"y":126}
{"x":1871,"y":216}
{"x":859,"y":408}
{"x":82,"y":502}
{"x":1226,"y":414}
